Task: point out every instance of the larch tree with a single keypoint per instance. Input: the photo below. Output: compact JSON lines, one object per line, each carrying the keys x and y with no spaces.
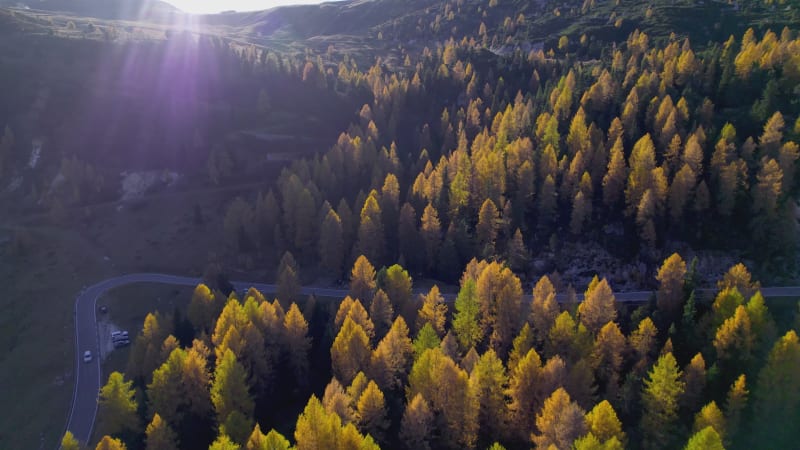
{"x":417,"y":424}
{"x":336,"y":400}
{"x":500,"y":298}
{"x":354,"y":310}
{"x":642,"y":162}
{"x":711,"y":416}
{"x":486,"y":229}
{"x":117,"y":405}
{"x":521,"y":345}
{"x":397,"y":285}
{"x":560,"y":422}
{"x":108,"y":443}
{"x":525,"y":391}
{"x":488,"y":382}
{"x":288,"y":279}
{"x":408,"y":237}
{"x":598,"y":307}
{"x":735,"y":404}
{"x":694,"y":378}
{"x":231,"y":398}
{"x":669,"y":296}
{"x":602,"y":422}
{"x":662,"y":389}
{"x":777,"y":394}
{"x":350,"y":352}
{"x":705,"y":439}
{"x":431,"y":232}
{"x":166,"y":393}
{"x":465,"y":320}
{"x":614,"y":179}
{"x":391,"y":360}
{"x":362,"y":280}
{"x":734,"y":339}
{"x":381,"y":313}
{"x":454,"y":406}
{"x":607,"y":358}
{"x":433,"y":311}
{"x":298,"y":343}
{"x":739,"y":277}
{"x":544,"y":308}
{"x":203,"y":309}
{"x":331,"y":243}
{"x":159,"y":435}
{"x":371,"y":412}
{"x":316,"y":428}
{"x":271,"y":441}
{"x":371,"y":238}
{"x":68,"y":442}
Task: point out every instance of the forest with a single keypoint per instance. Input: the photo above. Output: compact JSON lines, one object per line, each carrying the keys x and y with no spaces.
{"x":496,"y":368}
{"x":476,"y":154}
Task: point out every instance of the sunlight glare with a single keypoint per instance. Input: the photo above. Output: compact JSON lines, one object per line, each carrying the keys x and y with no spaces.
{"x":216,"y":6}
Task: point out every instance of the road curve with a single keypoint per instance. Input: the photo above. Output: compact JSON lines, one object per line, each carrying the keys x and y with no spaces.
{"x":88,"y":375}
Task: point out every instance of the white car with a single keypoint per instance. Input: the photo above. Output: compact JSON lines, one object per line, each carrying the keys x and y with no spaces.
{"x":87,"y":356}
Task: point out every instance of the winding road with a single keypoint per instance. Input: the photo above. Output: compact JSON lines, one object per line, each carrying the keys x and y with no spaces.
{"x":89,"y":375}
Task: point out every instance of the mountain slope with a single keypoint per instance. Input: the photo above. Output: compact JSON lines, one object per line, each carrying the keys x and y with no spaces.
{"x":102,"y":9}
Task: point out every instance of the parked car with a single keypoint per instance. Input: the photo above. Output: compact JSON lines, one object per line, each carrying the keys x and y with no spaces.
{"x":87,"y":356}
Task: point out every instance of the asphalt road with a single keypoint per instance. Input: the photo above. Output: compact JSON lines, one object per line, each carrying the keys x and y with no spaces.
{"x":87,"y":382}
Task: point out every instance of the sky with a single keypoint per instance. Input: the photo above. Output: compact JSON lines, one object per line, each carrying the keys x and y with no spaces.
{"x":215,"y":6}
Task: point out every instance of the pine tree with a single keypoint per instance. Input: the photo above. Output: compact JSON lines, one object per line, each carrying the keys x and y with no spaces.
{"x":117,"y":405}
{"x":159,"y":435}
{"x":662,"y":389}
{"x":560,"y":422}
